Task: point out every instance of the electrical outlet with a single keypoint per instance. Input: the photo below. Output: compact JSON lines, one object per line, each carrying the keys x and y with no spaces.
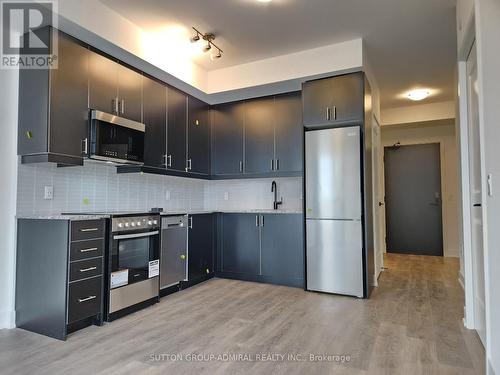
{"x":48,"y":192}
{"x":226,"y":196}
{"x":167,"y":195}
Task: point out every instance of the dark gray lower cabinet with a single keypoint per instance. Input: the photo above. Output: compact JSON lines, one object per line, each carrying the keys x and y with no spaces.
{"x":59,"y":275}
{"x":266,"y":248}
{"x":240,"y":244}
{"x":282,"y":244}
{"x":200,"y":247}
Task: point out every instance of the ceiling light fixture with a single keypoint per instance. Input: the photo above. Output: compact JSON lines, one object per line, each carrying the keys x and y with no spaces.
{"x":209,"y":39}
{"x":264,"y":1}
{"x":419,"y":94}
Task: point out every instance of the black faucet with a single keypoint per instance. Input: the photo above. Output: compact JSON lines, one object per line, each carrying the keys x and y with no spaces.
{"x":274,"y":189}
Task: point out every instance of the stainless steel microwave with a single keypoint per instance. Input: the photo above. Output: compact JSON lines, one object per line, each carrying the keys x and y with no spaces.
{"x":115,"y":139}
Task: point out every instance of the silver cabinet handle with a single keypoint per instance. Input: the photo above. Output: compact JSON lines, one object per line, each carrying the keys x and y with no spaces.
{"x":89,"y":249}
{"x":85,"y":146}
{"x":189,"y":164}
{"x":241,"y":166}
{"x":115,"y":105}
{"x":261,"y":220}
{"x":123,"y":106}
{"x":327,"y":113}
{"x":272,"y":164}
{"x":277,"y":164}
{"x":89,"y":230}
{"x":334,"y":112}
{"x":190,"y":225}
{"x":88,"y":269}
{"x":256,"y":220}
{"x":80,"y":300}
{"x":169,"y":160}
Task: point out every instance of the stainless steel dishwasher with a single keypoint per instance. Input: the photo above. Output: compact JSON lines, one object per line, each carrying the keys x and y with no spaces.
{"x":174,"y":250}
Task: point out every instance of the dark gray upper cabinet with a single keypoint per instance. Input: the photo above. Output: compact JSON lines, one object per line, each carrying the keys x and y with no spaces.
{"x":176,"y":129}
{"x":240,"y":244}
{"x":129,"y":93}
{"x":227,"y":132}
{"x":103,"y":83}
{"x":155,"y":119}
{"x":283,"y":248}
{"x":336,"y":100}
{"x":288,"y":132}
{"x":259,"y":135}
{"x":114,"y":88}
{"x":53,"y":115}
{"x":198,"y":128}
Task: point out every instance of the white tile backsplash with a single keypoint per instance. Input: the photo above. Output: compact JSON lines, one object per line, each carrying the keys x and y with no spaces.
{"x":97,"y":187}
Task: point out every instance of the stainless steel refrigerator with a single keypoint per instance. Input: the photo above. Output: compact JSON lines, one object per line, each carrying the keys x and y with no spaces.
{"x":334,"y":227}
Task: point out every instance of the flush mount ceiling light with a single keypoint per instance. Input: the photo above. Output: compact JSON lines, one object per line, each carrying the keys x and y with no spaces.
{"x":209,"y":39}
{"x":419,"y":94}
{"x":264,"y":1}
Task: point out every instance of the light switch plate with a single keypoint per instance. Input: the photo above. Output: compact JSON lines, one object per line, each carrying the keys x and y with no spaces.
{"x":48,"y":193}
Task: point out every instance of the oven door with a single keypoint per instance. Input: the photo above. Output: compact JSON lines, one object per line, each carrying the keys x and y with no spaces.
{"x":134,"y":258}
{"x":116,"y":139}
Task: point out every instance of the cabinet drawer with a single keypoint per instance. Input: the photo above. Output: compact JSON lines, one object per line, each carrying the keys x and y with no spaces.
{"x":84,"y":299}
{"x":86,"y":249}
{"x":85,"y":269}
{"x":87,"y":229}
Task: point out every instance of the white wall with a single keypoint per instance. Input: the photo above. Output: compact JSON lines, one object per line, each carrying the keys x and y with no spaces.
{"x":332,"y":58}
{"x":9,"y":83}
{"x":487,"y":13}
{"x":444,"y":133}
{"x":419,"y":113}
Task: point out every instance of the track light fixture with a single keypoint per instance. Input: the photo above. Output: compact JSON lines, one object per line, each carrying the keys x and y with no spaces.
{"x":209,"y":39}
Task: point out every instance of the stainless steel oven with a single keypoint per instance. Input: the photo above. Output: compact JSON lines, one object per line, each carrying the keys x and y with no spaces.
{"x":115,"y":139}
{"x":133,"y":264}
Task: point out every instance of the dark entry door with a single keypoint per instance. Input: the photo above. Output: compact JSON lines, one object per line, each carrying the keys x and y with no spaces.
{"x":413,"y":199}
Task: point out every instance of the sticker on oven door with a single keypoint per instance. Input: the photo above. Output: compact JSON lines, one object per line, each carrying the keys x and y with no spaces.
{"x":154,"y":268}
{"x":119,"y":278}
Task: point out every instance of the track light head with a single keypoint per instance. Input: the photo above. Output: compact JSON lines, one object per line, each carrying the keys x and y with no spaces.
{"x":207,"y":48}
{"x":216,"y":56}
{"x":195,"y":38}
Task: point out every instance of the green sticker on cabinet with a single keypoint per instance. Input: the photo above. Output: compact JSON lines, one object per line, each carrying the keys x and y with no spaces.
{"x":183,"y":256}
{"x":309,"y":210}
{"x":197,"y":122}
{"x":86,"y":201}
{"x":29,"y":134}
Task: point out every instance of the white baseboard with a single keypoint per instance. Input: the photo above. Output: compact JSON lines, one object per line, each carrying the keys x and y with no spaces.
{"x":7,"y":319}
{"x":490,"y":370}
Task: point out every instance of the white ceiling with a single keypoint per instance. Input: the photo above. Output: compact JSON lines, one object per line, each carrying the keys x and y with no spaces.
{"x":410,"y":43}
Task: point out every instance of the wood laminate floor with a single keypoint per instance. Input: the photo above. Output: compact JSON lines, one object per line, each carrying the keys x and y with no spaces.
{"x":412,"y":324}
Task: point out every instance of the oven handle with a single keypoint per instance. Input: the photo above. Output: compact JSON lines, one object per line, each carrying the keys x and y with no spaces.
{"x":135,"y":235}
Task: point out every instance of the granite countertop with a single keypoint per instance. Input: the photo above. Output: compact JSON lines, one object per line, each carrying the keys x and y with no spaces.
{"x":75,"y":217}
{"x":233,"y":211}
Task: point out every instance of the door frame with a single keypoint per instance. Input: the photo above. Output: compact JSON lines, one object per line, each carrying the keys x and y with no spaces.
{"x":444,"y":203}
{"x":379,"y":213}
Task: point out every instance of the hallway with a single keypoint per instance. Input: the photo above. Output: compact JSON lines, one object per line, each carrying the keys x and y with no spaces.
{"x":410,"y":325}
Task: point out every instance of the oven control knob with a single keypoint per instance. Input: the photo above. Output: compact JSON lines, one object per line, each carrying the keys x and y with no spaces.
{"x":150,"y":222}
{"x":138,"y":223}
{"x":120,"y":225}
{"x":132,"y":224}
{"x":155,"y":222}
{"x":127,"y":224}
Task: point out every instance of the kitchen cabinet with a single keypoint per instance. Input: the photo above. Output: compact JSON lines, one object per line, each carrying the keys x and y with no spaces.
{"x":333,"y":101}
{"x":59,"y":275}
{"x":260,"y":116}
{"x":198,"y":133}
{"x":240,"y":244}
{"x":282,"y":248}
{"x":200,"y":247}
{"x":114,"y":88}
{"x":262,"y":247}
{"x":227,"y":127}
{"x":176,"y":129}
{"x":289,"y":133}
{"x":53,"y":114}
{"x":155,"y":119}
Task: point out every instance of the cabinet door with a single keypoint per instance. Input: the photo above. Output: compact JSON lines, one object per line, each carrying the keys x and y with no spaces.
{"x":176,"y":129}
{"x":227,"y":128}
{"x":240,"y":244}
{"x":200,"y":246}
{"x":316,"y":96}
{"x":130,"y":93}
{"x":283,"y":248}
{"x":259,"y":135}
{"x":69,"y":98}
{"x":289,"y":132}
{"x":198,"y":136}
{"x":103,"y":83}
{"x":347,"y":98}
{"x":155,"y":119}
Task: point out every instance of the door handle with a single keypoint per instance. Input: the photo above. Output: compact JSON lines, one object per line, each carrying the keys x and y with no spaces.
{"x":123,"y":106}
{"x":272,"y":164}
{"x":241,"y":166}
{"x":85,"y":146}
{"x":328,"y":114}
{"x":169,"y":160}
{"x":80,"y":300}
{"x":277,"y":164}
{"x":190,"y":225}
{"x":477,"y":205}
{"x":380,"y":204}
{"x":256,"y":220}
{"x":88,"y":269}
{"x":334,"y":112}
